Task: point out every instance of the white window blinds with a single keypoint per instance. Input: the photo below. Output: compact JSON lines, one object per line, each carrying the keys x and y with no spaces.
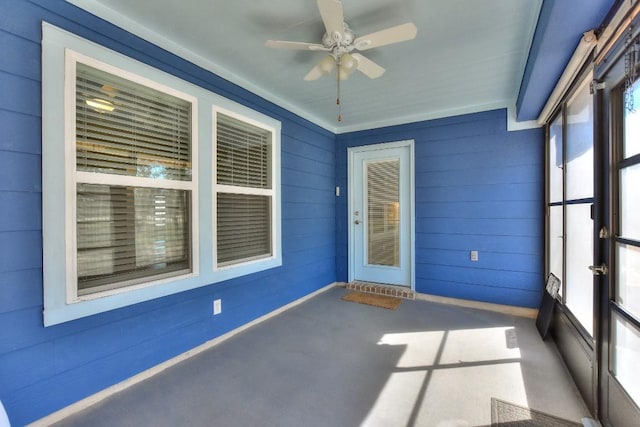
{"x":243,"y":153}
{"x":383,"y":212}
{"x":129,"y":234}
{"x":128,"y":129}
{"x":244,"y":191}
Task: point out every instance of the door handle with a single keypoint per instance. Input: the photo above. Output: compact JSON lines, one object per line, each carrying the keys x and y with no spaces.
{"x":356,"y":222}
{"x":598,"y":270}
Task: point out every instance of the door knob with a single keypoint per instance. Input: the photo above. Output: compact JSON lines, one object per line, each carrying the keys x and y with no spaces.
{"x":598,"y":270}
{"x":356,"y":222}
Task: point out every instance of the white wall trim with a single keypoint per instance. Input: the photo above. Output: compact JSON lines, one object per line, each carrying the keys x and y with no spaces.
{"x":144,"y":375}
{"x":514,"y":125}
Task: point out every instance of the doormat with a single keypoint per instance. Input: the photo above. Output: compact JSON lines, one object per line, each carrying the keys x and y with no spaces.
{"x":371,"y":299}
{"x":505,"y":414}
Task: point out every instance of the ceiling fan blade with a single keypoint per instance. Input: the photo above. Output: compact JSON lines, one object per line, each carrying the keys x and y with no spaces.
{"x":279,"y":44}
{"x":332,"y":17}
{"x":368,"y":67}
{"x":399,"y":33}
{"x":314,"y":74}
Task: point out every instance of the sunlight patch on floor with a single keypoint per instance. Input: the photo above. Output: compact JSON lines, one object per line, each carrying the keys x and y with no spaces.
{"x":421,"y":348}
{"x":447,"y":378}
{"x":478,"y":345}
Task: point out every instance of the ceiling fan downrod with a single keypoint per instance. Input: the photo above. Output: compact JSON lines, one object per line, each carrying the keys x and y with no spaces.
{"x":338,"y":91}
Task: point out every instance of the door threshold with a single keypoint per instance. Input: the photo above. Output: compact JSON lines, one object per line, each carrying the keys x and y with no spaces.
{"x":382,"y":289}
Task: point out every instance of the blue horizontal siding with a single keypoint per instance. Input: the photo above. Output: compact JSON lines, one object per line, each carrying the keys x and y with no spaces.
{"x":309,"y":179}
{"x":21,"y":211}
{"x":489,"y":260}
{"x":492,"y":279}
{"x":21,"y":95}
{"x":19,"y":250}
{"x":20,"y":289}
{"x":20,"y":172}
{"x":529,"y":245}
{"x":479,"y":193}
{"x":292,"y":192}
{"x":529,"y":209}
{"x":20,"y":56}
{"x":45,"y":369}
{"x":326,"y":169}
{"x":518,"y":173}
{"x":477,"y":187}
{"x":20,"y":132}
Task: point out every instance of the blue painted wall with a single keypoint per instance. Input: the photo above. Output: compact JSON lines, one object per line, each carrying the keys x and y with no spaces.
{"x":45,"y":369}
{"x":478,"y":187}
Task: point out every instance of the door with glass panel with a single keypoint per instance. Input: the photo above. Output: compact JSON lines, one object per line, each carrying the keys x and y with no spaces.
{"x":571,"y":231}
{"x":571,"y":200}
{"x":380,"y":206}
{"x":621,"y":382}
{"x":578,"y":204}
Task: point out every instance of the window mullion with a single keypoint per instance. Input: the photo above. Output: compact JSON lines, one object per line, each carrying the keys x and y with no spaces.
{"x":133,"y":181}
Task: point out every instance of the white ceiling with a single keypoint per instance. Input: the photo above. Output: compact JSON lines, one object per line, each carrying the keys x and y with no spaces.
{"x":468,"y":56}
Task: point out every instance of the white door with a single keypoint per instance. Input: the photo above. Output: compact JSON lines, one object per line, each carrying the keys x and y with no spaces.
{"x":381,"y":213}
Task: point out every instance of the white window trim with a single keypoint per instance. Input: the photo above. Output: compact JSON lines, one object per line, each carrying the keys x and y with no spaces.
{"x":260,"y":263}
{"x":59,"y":177}
{"x":73,"y":177}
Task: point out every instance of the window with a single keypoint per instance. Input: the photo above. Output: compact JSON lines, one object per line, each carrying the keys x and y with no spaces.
{"x":133,"y":147}
{"x":569,"y":202}
{"x":128,"y":203}
{"x":244,"y":190}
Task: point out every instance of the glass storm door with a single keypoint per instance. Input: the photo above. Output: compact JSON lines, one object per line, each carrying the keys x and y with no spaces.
{"x":622,"y":379}
{"x":571,"y":243}
{"x":380,"y":214}
{"x":579,"y":226}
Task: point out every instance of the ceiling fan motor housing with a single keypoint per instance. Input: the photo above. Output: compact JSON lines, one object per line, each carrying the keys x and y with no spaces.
{"x":337,"y":40}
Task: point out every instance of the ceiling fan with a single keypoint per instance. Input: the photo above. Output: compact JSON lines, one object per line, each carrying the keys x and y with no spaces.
{"x":339,"y":41}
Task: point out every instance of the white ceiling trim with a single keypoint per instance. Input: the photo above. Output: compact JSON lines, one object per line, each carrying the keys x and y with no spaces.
{"x":145,"y":33}
{"x":440,"y":114}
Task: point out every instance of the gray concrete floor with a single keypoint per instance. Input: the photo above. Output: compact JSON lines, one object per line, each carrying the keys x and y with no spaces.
{"x":328,"y":362}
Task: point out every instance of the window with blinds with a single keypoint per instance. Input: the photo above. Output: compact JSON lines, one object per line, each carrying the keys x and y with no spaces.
{"x":140,"y":231}
{"x":244,"y":191}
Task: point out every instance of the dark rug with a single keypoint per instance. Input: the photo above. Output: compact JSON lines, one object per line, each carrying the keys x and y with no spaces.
{"x":505,"y":414}
{"x":371,"y":299}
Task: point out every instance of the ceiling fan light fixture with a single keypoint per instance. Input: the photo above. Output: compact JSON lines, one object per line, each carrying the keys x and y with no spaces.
{"x":348,"y":63}
{"x":326,"y":64}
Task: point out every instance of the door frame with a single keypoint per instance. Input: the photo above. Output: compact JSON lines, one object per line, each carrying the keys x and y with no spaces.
{"x":589,"y":360}
{"x":616,"y":407}
{"x":351,"y":151}
{"x":577,"y":347}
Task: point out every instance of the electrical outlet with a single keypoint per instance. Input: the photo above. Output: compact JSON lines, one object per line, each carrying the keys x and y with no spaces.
{"x":474,"y":255}
{"x":217,"y":306}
